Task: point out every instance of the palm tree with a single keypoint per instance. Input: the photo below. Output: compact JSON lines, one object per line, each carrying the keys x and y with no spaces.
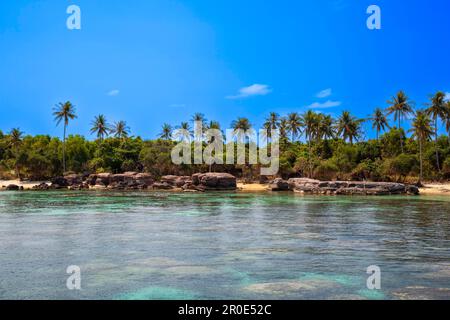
{"x":64,"y":112}
{"x":284,"y":129}
{"x":437,"y":109}
{"x":379,"y":121}
{"x":15,"y":141}
{"x":294,"y":125}
{"x":241,"y":124}
{"x":401,"y":107}
{"x":120,"y":130}
{"x":326,"y":128}
{"x":309,"y":122}
{"x":166,"y":133}
{"x":183,"y":132}
{"x":422,"y":130}
{"x":273,"y":121}
{"x":100,"y":126}
{"x":447,"y":120}
{"x":349,"y":127}
{"x":199,"y":117}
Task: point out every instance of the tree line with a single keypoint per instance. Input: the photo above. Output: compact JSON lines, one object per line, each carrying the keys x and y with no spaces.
{"x":312,"y":145}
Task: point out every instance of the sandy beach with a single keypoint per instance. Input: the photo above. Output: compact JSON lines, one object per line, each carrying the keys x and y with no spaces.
{"x":428,"y":189}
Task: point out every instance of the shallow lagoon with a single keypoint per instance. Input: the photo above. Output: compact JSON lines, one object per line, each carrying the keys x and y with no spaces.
{"x":165,"y":245}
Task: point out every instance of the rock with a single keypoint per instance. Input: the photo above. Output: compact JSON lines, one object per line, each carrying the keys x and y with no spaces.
{"x":42,"y":186}
{"x":413,"y":190}
{"x":304,"y":185}
{"x":12,"y":187}
{"x":175,"y":181}
{"x":279,"y":185}
{"x":214,"y":181}
{"x":103,"y":179}
{"x":91,"y":179}
{"x":73,"y":179}
{"x":130,"y":181}
{"x":59,"y":182}
{"x":162,"y":186}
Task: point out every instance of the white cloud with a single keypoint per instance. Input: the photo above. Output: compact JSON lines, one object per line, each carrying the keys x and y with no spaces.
{"x":447,"y":96}
{"x":253,"y":90}
{"x":324,"y":105}
{"x":324,"y":93}
{"x":113,"y":93}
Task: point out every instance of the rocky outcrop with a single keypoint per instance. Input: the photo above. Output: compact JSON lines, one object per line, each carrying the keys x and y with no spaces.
{"x":176,"y":181}
{"x":211,"y":182}
{"x":13,"y":187}
{"x":304,"y":185}
{"x":278,"y":185}
{"x":130,"y":181}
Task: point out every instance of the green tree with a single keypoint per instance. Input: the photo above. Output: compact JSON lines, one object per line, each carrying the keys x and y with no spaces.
{"x":379,"y":121}
{"x":166,"y":132}
{"x":349,"y":127}
{"x":401,"y":107}
{"x":100,"y":127}
{"x":437,"y":109}
{"x":294,"y":125}
{"x":15,"y":141}
{"x":64,"y":112}
{"x":120,"y":130}
{"x":422,"y":131}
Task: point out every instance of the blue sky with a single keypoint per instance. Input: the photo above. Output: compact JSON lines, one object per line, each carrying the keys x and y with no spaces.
{"x":150,"y":62}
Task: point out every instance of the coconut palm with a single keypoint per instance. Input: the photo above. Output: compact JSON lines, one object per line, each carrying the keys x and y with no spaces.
{"x":166,"y":132}
{"x":199,"y":117}
{"x":437,"y":109}
{"x":120,"y":130}
{"x":15,"y":141}
{"x":349,"y":127}
{"x":100,"y":127}
{"x":183,"y":132}
{"x":309,"y":123}
{"x":283,"y":127}
{"x":294,"y":125}
{"x":273,"y":121}
{"x":401,"y":107}
{"x":421,"y":130}
{"x":379,"y":121}
{"x":64,"y":112}
{"x":447,"y":120}
{"x":325,"y":127}
{"x":241,"y":124}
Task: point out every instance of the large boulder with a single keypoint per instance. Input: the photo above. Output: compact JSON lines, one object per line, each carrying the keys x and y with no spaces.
{"x":130,"y":181}
{"x":175,"y":181}
{"x":304,"y":185}
{"x":12,"y":187}
{"x":278,"y":185}
{"x":73,"y":179}
{"x":103,"y":180}
{"x":214,"y":181}
{"x":59,"y":182}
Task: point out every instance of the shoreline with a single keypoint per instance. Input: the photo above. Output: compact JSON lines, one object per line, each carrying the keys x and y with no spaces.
{"x":428,"y":189}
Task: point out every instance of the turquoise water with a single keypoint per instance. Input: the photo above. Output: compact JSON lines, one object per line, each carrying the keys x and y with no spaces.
{"x":163,"y":245}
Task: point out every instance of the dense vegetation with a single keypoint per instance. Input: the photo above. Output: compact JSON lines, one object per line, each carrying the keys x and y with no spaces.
{"x":312,"y":145}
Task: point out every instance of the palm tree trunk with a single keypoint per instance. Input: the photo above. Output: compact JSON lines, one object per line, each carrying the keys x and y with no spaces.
{"x":436,"y":144}
{"x":400,"y":128}
{"x":64,"y":150}
{"x":421,"y":161}
{"x":309,"y":158}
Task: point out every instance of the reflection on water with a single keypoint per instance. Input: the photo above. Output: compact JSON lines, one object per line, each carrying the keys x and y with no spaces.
{"x":222,"y":246}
